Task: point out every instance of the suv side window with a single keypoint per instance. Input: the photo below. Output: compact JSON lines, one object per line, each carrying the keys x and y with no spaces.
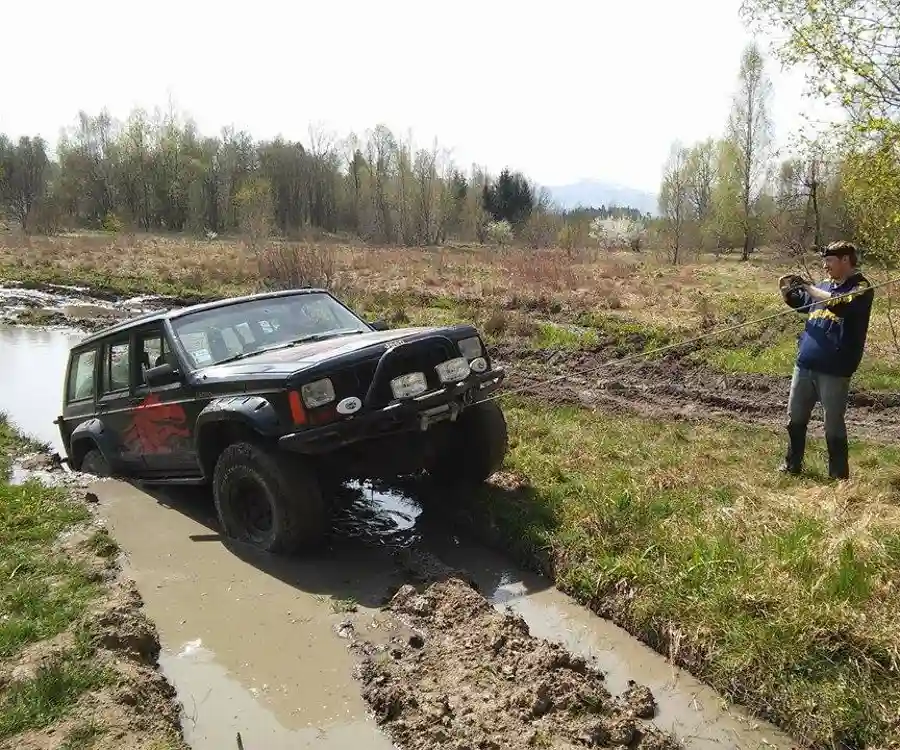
{"x":152,"y":352}
{"x":114,"y":375}
{"x":81,"y":376}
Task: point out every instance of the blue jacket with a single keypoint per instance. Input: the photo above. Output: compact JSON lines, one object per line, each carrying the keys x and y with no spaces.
{"x":833,"y":339}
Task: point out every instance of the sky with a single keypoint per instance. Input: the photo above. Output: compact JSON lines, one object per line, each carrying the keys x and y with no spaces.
{"x":561,"y":90}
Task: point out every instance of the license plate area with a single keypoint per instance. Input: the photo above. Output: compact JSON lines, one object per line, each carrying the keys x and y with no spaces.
{"x":441,"y":413}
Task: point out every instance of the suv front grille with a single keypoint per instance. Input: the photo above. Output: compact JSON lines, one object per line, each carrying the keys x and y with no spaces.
{"x":355,"y":380}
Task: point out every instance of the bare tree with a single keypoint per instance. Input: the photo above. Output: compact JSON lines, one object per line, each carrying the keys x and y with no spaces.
{"x":675,"y":198}
{"x":749,"y":129}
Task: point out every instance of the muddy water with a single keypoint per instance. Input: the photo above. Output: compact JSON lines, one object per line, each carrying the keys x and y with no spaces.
{"x":32,"y":373}
{"x":252,"y":643}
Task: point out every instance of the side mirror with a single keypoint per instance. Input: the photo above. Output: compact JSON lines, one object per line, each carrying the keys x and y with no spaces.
{"x":379,"y":325}
{"x":161,"y":375}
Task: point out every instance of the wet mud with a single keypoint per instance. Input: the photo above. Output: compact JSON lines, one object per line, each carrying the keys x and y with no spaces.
{"x":674,"y":387}
{"x":456,"y":673}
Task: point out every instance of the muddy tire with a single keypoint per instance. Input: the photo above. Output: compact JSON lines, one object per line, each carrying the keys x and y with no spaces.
{"x":270,"y":501}
{"x":95,"y":463}
{"x":476,"y":447}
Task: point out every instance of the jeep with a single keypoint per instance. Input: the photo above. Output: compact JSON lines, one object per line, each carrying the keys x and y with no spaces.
{"x":276,"y":398}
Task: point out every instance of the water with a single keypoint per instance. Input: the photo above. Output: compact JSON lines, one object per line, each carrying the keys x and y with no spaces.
{"x":32,"y":379}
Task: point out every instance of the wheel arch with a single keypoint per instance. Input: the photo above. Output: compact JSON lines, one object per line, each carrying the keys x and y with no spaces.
{"x":86,"y":436}
{"x":232,"y":419}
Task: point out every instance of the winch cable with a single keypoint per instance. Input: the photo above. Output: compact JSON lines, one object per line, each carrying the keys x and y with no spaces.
{"x":667,"y":347}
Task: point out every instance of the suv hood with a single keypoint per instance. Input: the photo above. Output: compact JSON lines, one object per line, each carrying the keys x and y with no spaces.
{"x":283,"y":362}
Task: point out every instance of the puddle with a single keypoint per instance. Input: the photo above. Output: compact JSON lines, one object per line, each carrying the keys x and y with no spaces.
{"x":250,"y":641}
{"x":32,"y":378}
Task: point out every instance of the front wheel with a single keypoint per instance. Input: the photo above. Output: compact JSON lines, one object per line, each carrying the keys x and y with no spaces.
{"x":268,"y":501}
{"x":476,"y":447}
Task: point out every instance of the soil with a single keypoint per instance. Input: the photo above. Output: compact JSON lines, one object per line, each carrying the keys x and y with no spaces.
{"x":135,"y":708}
{"x":674,"y":387}
{"x":450,"y":671}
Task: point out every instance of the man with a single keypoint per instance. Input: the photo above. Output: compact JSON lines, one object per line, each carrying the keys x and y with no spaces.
{"x":828,"y":354}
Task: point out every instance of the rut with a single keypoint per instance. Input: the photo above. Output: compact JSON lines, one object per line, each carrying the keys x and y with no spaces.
{"x":675,"y":388}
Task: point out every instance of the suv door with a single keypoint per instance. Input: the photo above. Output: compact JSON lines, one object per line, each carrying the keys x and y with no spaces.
{"x":115,"y":399}
{"x":80,"y":391}
{"x":159,"y":420}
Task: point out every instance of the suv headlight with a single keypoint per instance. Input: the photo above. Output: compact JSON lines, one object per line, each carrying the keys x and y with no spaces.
{"x":409,"y":385}
{"x":317,"y":393}
{"x":470,"y":347}
{"x":453,"y":370}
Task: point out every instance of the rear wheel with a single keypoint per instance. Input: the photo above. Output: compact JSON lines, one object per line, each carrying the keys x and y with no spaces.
{"x":476,"y":446}
{"x":95,"y":463}
{"x":268,"y":501}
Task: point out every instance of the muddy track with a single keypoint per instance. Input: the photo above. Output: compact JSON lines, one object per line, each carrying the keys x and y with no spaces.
{"x":674,"y":387}
{"x":450,"y":671}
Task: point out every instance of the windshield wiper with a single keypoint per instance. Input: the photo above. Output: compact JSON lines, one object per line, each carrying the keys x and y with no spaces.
{"x":286,"y":344}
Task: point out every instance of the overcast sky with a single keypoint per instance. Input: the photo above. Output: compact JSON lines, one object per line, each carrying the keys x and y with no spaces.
{"x":561,"y":90}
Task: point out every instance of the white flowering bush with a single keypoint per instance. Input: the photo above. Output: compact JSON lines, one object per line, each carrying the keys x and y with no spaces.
{"x":616,"y":233}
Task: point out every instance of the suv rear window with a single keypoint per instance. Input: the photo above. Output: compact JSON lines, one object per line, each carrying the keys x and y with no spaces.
{"x":81,"y":376}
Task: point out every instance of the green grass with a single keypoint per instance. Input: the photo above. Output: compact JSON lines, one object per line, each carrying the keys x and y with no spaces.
{"x":39,"y":702}
{"x":782,"y":590}
{"x":41,"y":595}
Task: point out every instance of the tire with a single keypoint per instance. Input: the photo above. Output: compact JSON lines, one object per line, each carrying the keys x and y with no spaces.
{"x":95,"y":463}
{"x":268,"y":501}
{"x":476,"y":447}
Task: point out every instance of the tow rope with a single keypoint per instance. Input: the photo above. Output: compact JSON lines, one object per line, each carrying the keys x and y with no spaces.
{"x":666,"y":347}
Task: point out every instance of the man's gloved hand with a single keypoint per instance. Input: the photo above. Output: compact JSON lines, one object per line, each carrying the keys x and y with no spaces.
{"x":791,"y":281}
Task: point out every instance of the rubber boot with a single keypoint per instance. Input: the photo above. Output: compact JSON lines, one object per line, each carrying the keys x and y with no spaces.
{"x":793,"y":460}
{"x":838,"y":458}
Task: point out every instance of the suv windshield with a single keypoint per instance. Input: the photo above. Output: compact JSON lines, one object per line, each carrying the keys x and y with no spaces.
{"x":239,"y":329}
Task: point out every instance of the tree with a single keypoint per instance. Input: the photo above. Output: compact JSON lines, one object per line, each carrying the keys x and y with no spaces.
{"x":749,"y":130}
{"x":510,"y":198}
{"x":675,"y":198}
{"x":25,"y":170}
{"x":851,"y":46}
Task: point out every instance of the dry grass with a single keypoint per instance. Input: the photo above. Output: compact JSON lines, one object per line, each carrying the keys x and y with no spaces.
{"x":638,"y":288}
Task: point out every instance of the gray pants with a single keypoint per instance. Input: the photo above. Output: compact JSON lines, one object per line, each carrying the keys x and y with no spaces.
{"x":808,"y":387}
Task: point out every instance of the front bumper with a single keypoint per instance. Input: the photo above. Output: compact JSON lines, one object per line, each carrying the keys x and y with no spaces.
{"x":415,"y":414}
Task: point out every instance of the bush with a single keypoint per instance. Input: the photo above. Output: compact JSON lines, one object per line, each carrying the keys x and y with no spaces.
{"x":297,"y":266}
{"x":499,"y":232}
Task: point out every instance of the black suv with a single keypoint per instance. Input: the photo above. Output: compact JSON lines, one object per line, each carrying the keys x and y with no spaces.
{"x":276,"y":398}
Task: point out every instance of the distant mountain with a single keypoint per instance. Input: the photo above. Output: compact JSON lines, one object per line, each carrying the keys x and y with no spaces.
{"x":596,"y":193}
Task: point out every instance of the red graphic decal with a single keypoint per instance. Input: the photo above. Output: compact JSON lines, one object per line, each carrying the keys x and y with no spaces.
{"x":155,"y":425}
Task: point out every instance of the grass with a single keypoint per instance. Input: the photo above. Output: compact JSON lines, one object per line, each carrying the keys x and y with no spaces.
{"x":632,"y":298}
{"x":41,"y":595}
{"x":780,"y":592}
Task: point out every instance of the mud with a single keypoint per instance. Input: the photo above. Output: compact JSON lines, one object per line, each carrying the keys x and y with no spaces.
{"x":673,"y":387}
{"x":455,"y":673}
{"x":54,"y":305}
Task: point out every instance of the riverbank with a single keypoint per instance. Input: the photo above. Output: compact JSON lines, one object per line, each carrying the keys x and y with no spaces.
{"x":78,"y":659}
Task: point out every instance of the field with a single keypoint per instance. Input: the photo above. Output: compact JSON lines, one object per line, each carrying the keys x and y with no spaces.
{"x":647,"y":488}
